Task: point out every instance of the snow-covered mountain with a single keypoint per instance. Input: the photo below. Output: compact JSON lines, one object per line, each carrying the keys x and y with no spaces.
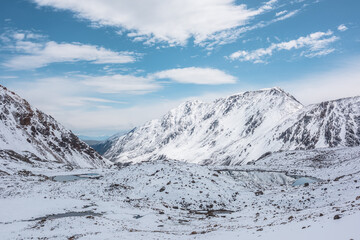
{"x":241,"y":128}
{"x":328,"y":124}
{"x":29,"y":135}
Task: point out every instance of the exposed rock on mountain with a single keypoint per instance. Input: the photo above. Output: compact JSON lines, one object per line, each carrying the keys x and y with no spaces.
{"x":27,"y":134}
{"x":241,"y":128}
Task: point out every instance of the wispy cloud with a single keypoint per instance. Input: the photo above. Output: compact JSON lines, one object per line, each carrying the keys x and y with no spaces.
{"x":83,"y":101}
{"x":281,"y":13}
{"x":342,"y":28}
{"x":230,"y":36}
{"x":284,"y":16}
{"x":32,"y":54}
{"x":194,"y":75}
{"x":173,"y":22}
{"x":122,"y":84}
{"x":314,"y":44}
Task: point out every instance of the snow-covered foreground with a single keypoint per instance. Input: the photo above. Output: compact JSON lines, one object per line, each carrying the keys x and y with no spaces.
{"x":175,"y":200}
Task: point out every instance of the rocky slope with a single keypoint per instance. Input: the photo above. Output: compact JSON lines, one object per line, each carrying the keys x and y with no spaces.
{"x":30,"y":136}
{"x":241,"y":128}
{"x":163,"y":199}
{"x":328,"y":124}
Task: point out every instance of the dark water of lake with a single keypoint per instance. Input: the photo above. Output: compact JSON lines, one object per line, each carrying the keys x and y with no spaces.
{"x":68,"y":178}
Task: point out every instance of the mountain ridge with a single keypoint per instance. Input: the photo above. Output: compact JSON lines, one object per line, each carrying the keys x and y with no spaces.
{"x":27,"y":131}
{"x":237,"y":129}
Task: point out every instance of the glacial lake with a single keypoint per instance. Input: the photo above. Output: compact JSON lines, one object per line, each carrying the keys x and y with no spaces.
{"x":303,"y":180}
{"x":269,"y":177}
{"x":68,"y":178}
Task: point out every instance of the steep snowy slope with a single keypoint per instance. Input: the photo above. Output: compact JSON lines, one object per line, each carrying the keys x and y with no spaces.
{"x":241,"y":128}
{"x":328,"y":124}
{"x":325,"y":125}
{"x":27,"y":135}
{"x":213,"y":133}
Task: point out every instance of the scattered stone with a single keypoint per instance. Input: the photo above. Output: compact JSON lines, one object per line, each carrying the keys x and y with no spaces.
{"x":338,"y":178}
{"x":258,"y":193}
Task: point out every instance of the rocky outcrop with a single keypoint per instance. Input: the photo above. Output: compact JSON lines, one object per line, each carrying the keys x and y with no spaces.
{"x":26,"y":130}
{"x":241,"y":128}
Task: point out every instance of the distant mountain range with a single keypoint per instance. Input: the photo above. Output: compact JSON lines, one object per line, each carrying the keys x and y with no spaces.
{"x":29,"y":135}
{"x":101,"y":143}
{"x":240,"y":128}
{"x":228,"y":131}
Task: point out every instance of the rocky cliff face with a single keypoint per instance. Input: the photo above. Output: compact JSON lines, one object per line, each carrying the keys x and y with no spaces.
{"x":30,"y":134}
{"x":241,"y":128}
{"x":328,"y":124}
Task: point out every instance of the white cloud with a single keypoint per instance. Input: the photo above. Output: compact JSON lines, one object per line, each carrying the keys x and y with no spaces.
{"x":85,"y":101}
{"x":173,"y":22}
{"x":316,"y":44}
{"x":286,"y":16}
{"x":342,"y":28}
{"x":37,"y":54}
{"x":194,"y":75}
{"x":229,"y":36}
{"x":122,"y":84}
{"x":281,"y":13}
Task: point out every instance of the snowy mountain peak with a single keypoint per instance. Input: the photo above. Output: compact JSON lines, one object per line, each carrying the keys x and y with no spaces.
{"x":241,"y":128}
{"x":205,"y":132}
{"x":27,"y":131}
{"x":327,"y":124}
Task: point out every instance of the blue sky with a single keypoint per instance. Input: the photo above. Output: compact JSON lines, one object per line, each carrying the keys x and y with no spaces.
{"x":101,"y":66}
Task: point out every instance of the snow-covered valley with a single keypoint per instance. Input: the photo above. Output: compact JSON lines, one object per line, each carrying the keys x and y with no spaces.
{"x":166,"y":199}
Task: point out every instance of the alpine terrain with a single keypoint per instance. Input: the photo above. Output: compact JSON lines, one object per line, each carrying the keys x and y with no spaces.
{"x":29,"y":136}
{"x":301,"y":180}
{"x":241,"y":128}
